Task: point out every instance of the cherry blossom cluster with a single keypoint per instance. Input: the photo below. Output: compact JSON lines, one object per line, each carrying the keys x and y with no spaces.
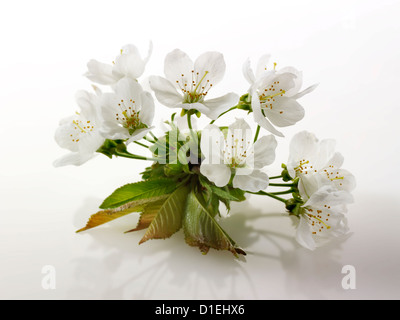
{"x":120,"y":111}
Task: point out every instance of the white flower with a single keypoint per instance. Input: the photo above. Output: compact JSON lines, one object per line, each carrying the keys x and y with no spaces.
{"x":316,"y":163}
{"x":235,"y":155}
{"x":80,"y":133}
{"x":128,"y":112}
{"x":323,"y":186}
{"x":274,"y":95}
{"x":322,"y":217}
{"x":128,"y":64}
{"x":187,"y":84}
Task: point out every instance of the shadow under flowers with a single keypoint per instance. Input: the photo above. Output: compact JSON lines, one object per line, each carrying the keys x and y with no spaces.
{"x":114,"y":266}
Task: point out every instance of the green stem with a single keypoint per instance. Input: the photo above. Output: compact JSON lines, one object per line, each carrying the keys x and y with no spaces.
{"x":149,"y":140}
{"x":154,"y":137}
{"x":132,"y":156}
{"x":275,"y":177}
{"x":140,"y":144}
{"x":283,"y":192}
{"x":189,"y":121}
{"x":257,"y":133}
{"x":262,"y":193}
{"x":281,"y":184}
{"x":233,"y":108}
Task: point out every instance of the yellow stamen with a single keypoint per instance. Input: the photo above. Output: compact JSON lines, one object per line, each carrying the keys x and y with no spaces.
{"x":312,"y":216}
{"x":205,"y":73}
{"x":77,"y":124}
{"x":337,"y":178}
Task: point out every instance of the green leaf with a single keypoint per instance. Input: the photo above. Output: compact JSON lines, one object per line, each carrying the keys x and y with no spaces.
{"x":155,"y":171}
{"x":137,"y":191}
{"x":223,"y":193}
{"x":171,"y":170}
{"x":168,"y":219}
{"x":227,"y":193}
{"x":210,"y":200}
{"x":105,"y":216}
{"x":202,"y":230}
{"x":238,"y":194}
{"x":148,"y":214}
{"x":212,"y":204}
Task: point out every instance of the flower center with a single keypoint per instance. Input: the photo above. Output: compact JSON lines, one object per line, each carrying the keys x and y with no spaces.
{"x":333,"y":175}
{"x":304,"y":167}
{"x":80,"y":127}
{"x":129,"y":118}
{"x":317,"y":218}
{"x":267,"y":98}
{"x":236,"y":154}
{"x":196,"y":89}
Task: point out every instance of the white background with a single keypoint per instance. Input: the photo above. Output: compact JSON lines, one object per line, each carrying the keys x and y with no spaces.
{"x":351,"y":48}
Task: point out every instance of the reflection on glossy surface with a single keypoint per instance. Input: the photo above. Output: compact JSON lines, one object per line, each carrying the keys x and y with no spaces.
{"x":114,"y":266}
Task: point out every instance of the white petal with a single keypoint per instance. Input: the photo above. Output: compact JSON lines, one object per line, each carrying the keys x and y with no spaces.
{"x":262,"y":65}
{"x":149,"y":52}
{"x":340,"y":178}
{"x":272,"y":83}
{"x":326,"y":195}
{"x":147,"y":108}
{"x":129,"y":63}
{"x":212,"y":144}
{"x":145,"y":83}
{"x":264,"y":152}
{"x":111,"y":130}
{"x":336,"y":160}
{"x":284,"y":112}
{"x":304,"y":235}
{"x":165,"y":92}
{"x":304,"y":145}
{"x":73,"y":158}
{"x":109,"y":107}
{"x":248,"y":72}
{"x":213,"y":63}
{"x":297,"y":77}
{"x":253,"y":182}
{"x":219,"y":105}
{"x":239,"y":137}
{"x":309,"y":184}
{"x":260,"y":118}
{"x":128,"y":89}
{"x":100,"y":72}
{"x":196,"y":106}
{"x":130,"y":49}
{"x":305,"y":91}
{"x":97,"y":90}
{"x":240,"y":125}
{"x":63,"y":134}
{"x":326,"y":153}
{"x":178,"y":67}
{"x":220,"y":174}
{"x":88,"y":103}
{"x":348,"y":183}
